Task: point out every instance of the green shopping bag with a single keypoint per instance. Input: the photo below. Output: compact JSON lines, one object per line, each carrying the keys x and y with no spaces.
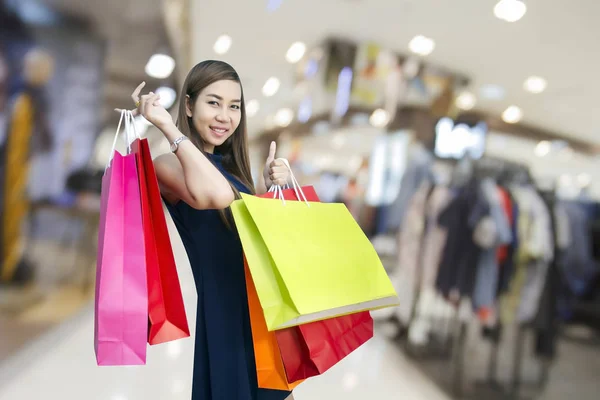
{"x":309,"y":261}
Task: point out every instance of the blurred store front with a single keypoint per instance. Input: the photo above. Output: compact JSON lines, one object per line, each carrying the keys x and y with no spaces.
{"x":65,"y":66}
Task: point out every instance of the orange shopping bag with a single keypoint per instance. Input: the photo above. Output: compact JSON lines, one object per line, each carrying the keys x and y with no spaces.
{"x":269,"y":364}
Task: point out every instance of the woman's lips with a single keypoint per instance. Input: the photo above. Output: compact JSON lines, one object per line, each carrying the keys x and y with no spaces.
{"x":219,"y":131}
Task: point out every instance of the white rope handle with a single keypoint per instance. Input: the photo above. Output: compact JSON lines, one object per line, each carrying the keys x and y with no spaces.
{"x":114,"y":145}
{"x":131,"y":130}
{"x":136,"y":135}
{"x":277,"y":193}
{"x":278,"y":190}
{"x":296,"y":184}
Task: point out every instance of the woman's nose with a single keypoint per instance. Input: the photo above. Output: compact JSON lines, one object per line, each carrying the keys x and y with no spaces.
{"x":222,"y":116}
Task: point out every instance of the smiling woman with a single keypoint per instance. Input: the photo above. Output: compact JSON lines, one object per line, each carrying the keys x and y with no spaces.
{"x":207,"y":169}
{"x":216,"y":116}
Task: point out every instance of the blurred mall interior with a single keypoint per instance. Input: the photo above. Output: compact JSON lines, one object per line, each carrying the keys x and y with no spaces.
{"x":450,"y":129}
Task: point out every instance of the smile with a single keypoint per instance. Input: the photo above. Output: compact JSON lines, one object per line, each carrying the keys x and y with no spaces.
{"x":219,"y":131}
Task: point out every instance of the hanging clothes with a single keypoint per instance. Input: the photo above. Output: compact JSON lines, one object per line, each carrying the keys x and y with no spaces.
{"x":507,"y":261}
{"x":417,"y":171}
{"x":429,"y":303}
{"x":579,"y":264}
{"x":457,"y":270}
{"x":503,"y":252}
{"x":533,"y":256}
{"x":547,"y":320}
{"x":406,"y":277}
{"x":486,"y":284}
{"x":435,"y":236}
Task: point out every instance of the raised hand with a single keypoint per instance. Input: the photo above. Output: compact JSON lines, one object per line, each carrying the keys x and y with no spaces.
{"x":276,"y":171}
{"x":149,"y":107}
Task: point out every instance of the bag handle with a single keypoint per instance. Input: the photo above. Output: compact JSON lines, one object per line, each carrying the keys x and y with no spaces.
{"x":278,"y":190}
{"x":132,"y":129}
{"x":129,"y":129}
{"x":114,"y":144}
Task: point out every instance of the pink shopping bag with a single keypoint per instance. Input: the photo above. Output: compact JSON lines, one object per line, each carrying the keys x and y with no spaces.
{"x":121,"y":306}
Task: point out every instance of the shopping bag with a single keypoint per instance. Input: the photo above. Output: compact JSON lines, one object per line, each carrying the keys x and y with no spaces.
{"x":311,"y":349}
{"x":309,"y":261}
{"x":269,"y":364}
{"x":121,"y":298}
{"x":166,"y":310}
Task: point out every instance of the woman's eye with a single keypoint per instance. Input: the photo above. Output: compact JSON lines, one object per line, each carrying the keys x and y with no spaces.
{"x":235,"y":107}
{"x":213,"y":103}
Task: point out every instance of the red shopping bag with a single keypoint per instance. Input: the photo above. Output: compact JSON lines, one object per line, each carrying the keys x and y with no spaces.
{"x":311,"y":349}
{"x":327,"y":342}
{"x":166,"y":310}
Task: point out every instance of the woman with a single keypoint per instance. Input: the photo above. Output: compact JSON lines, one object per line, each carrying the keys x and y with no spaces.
{"x":207,"y":169}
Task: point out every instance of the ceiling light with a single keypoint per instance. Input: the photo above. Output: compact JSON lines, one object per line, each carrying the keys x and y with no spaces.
{"x":295,"y":52}
{"x":421,"y":45}
{"x":222,"y":45}
{"x":535,"y":84}
{"x":510,"y":10}
{"x":252,"y":108}
{"x":271,"y":86}
{"x":543,"y":148}
{"x":379,"y":118}
{"x":284,"y":117}
{"x":491,"y":92}
{"x":160,"y":66}
{"x":512,"y":115}
{"x":167,"y":96}
{"x":466,"y":101}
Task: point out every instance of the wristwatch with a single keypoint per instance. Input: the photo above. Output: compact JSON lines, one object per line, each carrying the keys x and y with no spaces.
{"x":175,"y":144}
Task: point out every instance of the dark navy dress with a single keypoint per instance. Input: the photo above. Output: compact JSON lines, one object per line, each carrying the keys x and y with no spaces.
{"x":224,"y":367}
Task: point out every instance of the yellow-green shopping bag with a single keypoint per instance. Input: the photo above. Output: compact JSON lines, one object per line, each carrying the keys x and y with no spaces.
{"x":309,"y":261}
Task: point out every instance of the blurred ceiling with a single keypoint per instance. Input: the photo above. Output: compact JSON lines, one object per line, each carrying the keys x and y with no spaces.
{"x":555,"y":40}
{"x":134,"y":30}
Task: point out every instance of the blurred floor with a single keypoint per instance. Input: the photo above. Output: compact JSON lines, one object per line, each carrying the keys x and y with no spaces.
{"x":61,"y":365}
{"x":46,"y":313}
{"x":65,"y":369}
{"x":63,"y":281}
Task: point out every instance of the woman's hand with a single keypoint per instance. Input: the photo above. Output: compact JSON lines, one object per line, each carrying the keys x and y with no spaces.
{"x":276,"y":171}
{"x":149,"y":107}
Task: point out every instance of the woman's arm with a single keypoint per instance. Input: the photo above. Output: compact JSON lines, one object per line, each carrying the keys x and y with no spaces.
{"x":188,"y":175}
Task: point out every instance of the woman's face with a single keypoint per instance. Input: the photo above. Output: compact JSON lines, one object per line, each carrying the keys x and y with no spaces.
{"x":216,"y":114}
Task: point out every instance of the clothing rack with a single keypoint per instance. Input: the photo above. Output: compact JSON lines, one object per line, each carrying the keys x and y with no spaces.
{"x":513,"y":176}
{"x":503,"y":172}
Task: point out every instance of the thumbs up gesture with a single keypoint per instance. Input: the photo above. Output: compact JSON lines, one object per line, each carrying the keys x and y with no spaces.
{"x":276,"y":172}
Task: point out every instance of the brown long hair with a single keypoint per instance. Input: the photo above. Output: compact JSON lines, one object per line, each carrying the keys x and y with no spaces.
{"x":234,"y":150}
